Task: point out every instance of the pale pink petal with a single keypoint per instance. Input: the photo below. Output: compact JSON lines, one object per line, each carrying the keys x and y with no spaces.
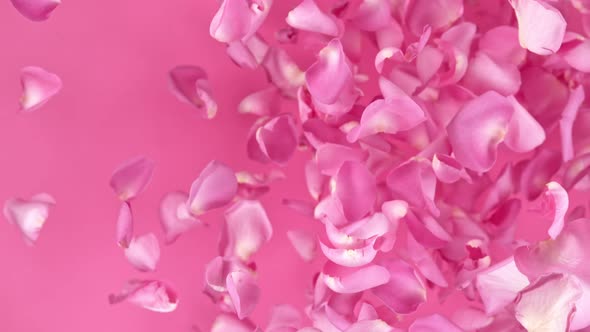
{"x":438,"y":14}
{"x":190,"y":84}
{"x":434,"y":323}
{"x":238,"y":19}
{"x":144,"y":252}
{"x":388,"y":116}
{"x":304,"y":243}
{"x":227,"y":322}
{"x":355,"y":188}
{"x":246,"y":229}
{"x":545,"y":38}
{"x":215,"y":187}
{"x":448,"y":170}
{"x":476,"y":131}
{"x":277,"y":139}
{"x":132,"y":177}
{"x":330,"y":211}
{"x":499,"y":285}
{"x":283,"y":72}
{"x":524,"y":132}
{"x":29,"y":215}
{"x":304,"y":208}
{"x":149,"y":294}
{"x":404,"y":292}
{"x":390,"y":36}
{"x":577,"y":56}
{"x":38,"y":85}
{"x":424,"y":262}
{"x":284,"y":316}
{"x":484,"y":74}
{"x":331,"y":75}
{"x":372,"y":15}
{"x":330,"y":157}
{"x":559,"y":203}
{"x":566,"y":122}
{"x":471,"y":319}
{"x":243,"y":291}
{"x":248,"y":54}
{"x":308,"y":16}
{"x":500,"y":189}
{"x":346,"y":280}
{"x":351,"y":257}
{"x":501,"y":44}
{"x":36,"y":10}
{"x":175,"y":216}
{"x":262,"y":103}
{"x":427,"y":231}
{"x":376,"y":325}
{"x":125,"y":225}
{"x":217,"y":270}
{"x":414,"y":182}
{"x":548,"y":304}
{"x":254,"y":185}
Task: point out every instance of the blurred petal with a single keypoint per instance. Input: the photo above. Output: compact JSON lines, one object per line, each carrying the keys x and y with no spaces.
{"x":38,"y":85}
{"x":373,"y":15}
{"x":277,"y":139}
{"x":243,"y":291}
{"x":330,"y":75}
{"x":215,"y":187}
{"x":433,"y":323}
{"x":125,"y":225}
{"x":238,"y":19}
{"x":356,"y":189}
{"x":330,"y":157}
{"x":351,"y":257}
{"x":175,"y":216}
{"x":438,"y":14}
{"x":414,"y":182}
{"x":283,"y":72}
{"x":36,"y":10}
{"x":347,"y":280}
{"x":144,"y":252}
{"x":304,"y":243}
{"x":501,"y":44}
{"x":190,"y":84}
{"x":424,"y":262}
{"x":566,"y":122}
{"x":261,"y":103}
{"x":308,"y":16}
{"x":29,"y":215}
{"x":248,"y":54}
{"x":227,"y":322}
{"x":132,"y":177}
{"x":376,"y":325}
{"x":539,"y":171}
{"x":404,"y":292}
{"x":471,"y":319}
{"x":246,"y":229}
{"x":575,"y":170}
{"x":544,"y":38}
{"x":499,"y":285}
{"x":559,"y":203}
{"x":149,"y":294}
{"x":524,"y":132}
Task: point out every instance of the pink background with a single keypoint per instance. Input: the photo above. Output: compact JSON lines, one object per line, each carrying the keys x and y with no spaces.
{"x":113,"y":57}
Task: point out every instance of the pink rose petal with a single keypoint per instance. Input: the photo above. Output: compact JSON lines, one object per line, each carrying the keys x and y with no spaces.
{"x":38,"y":85}
{"x":404,"y":292}
{"x":558,"y":205}
{"x":144,"y":252}
{"x":351,"y":257}
{"x":308,"y":16}
{"x":227,"y":322}
{"x":434,"y":323}
{"x":190,"y":84}
{"x":566,"y":122}
{"x":499,"y":285}
{"x":355,"y":188}
{"x":437,"y":14}
{"x":152,"y":295}
{"x":175,"y":216}
{"x":132,"y":177}
{"x":125,"y":225}
{"x":304,"y":243}
{"x":524,"y":132}
{"x":347,"y":280}
{"x":215,"y":187}
{"x":542,"y":39}
{"x":29,"y":215}
{"x":261,"y":103}
{"x":243,"y":291}
{"x":36,"y":10}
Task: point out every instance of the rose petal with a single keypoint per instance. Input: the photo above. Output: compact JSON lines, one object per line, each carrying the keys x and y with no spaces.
{"x":559,"y":202}
{"x":152,"y":295}
{"x":190,"y":84}
{"x":132,"y":177}
{"x":448,"y":170}
{"x":307,"y":16}
{"x":355,"y":188}
{"x":36,"y":10}
{"x":175,"y":216}
{"x":437,"y":14}
{"x":38,"y":85}
{"x":347,"y":280}
{"x":215,"y":187}
{"x":471,"y":319}
{"x":414,"y":182}
{"x":249,"y":53}
{"x":538,"y":171}
{"x":144,"y":252}
{"x":331,"y":75}
{"x":404,"y":292}
{"x":226,"y":323}
{"x":499,"y":285}
{"x":566,"y":122}
{"x":351,"y":257}
{"x":283,"y":72}
{"x":542,"y":39}
{"x":29,"y":215}
{"x":433,"y":323}
{"x":243,"y":291}
{"x":376,"y":325}
{"x":277,"y":139}
{"x":304,"y":243}
{"x":330,"y":157}
{"x":484,"y":74}
{"x":238,"y":19}
{"x":524,"y":132}
{"x":125,"y":225}
{"x":424,"y":262}
{"x":501,"y":44}
{"x":261,"y":103}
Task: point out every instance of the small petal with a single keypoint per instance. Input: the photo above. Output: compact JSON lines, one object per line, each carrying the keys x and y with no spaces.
{"x":499,"y":285}
{"x":190,"y":84}
{"x":356,"y":189}
{"x":262,"y":103}
{"x":132,"y":177}
{"x":347,"y":280}
{"x":144,"y":252}
{"x":351,"y":257}
{"x":243,"y":291}
{"x":149,"y":294}
{"x":29,"y":215}
{"x":559,"y":202}
{"x":36,"y":10}
{"x":304,"y":243}
{"x":434,"y":323}
{"x":215,"y":187}
{"x":542,"y":39}
{"x":125,"y":225}
{"x":175,"y":216}
{"x":566,"y":122}
{"x":307,"y":16}
{"x":331,"y":75}
{"x":404,"y":292}
{"x":38,"y":86}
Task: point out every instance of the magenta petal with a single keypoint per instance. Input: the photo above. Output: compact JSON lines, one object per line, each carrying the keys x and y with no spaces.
{"x":351,"y":257}
{"x":347,"y":280}
{"x":566,"y":122}
{"x":143,"y":252}
{"x":542,"y":39}
{"x":246,"y":229}
{"x":125,"y":225}
{"x":262,"y":103}
{"x":38,"y":86}
{"x":404,"y":292}
{"x":226,"y":323}
{"x":132,"y":177}
{"x":215,"y":187}
{"x":559,"y":202}
{"x":36,"y":10}
{"x":476,"y":131}
{"x":243,"y":291}
{"x":548,"y":304}
{"x":355,"y":188}
{"x":499,"y":285}
{"x":330,"y":75}
{"x":29,"y":215}
{"x":434,"y":323}
{"x":190,"y":84}
{"x":175,"y":216}
{"x":149,"y":294}
{"x":304,"y":243}
{"x":308,"y":16}
{"x":524,"y":132}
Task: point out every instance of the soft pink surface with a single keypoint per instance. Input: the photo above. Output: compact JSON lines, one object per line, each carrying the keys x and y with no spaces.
{"x":113,"y":57}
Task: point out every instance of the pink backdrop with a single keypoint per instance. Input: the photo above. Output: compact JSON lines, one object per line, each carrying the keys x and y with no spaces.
{"x":113,"y":57}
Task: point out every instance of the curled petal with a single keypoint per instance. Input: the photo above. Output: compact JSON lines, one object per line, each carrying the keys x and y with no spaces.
{"x":243,"y":291}
{"x":548,"y":304}
{"x":437,"y":14}
{"x":476,"y":131}
{"x":351,"y":257}
{"x":433,"y":323}
{"x":524,"y":132}
{"x":331,"y":75}
{"x":566,"y":122}
{"x":143,"y":252}
{"x":125,"y":225}
{"x":347,"y":280}
{"x":499,"y":285}
{"x":559,"y":203}
{"x":404,"y":292}
{"x":246,"y":229}
{"x":36,"y":10}
{"x":175,"y":216}
{"x":215,"y":187}
{"x":542,"y":39}
{"x":261,"y":103}
{"x":249,"y":53}
{"x":152,"y":295}
{"x":304,"y":243}
{"x":424,"y":262}
{"x":38,"y":85}
{"x":355,"y":188}
{"x":308,"y":16}
{"x":283,"y":72}
{"x":29,"y":215}
{"x":217,"y":271}
{"x":132,"y":177}
{"x":190,"y":84}
{"x":448,"y":170}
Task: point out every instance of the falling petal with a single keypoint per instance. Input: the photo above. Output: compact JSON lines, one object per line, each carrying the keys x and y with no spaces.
{"x":448,"y":170}
{"x":566,"y":122}
{"x":559,"y":202}
{"x":152,"y":295}
{"x":304,"y":243}
{"x":542,"y":39}
{"x":38,"y":86}
{"x":308,"y":16}
{"x":437,"y":14}
{"x":36,"y":10}
{"x":262,"y":103}
{"x":243,"y":291}
{"x":499,"y":285}
{"x":29,"y":215}
{"x":355,"y":188}
{"x":125,"y":225}
{"x":276,"y":139}
{"x":132,"y":177}
{"x":347,"y":280}
{"x":330,"y":75}
{"x":215,"y":187}
{"x":144,"y":252}
{"x":175,"y":216}
{"x":190,"y":84}
{"x":434,"y":323}
{"x":524,"y":132}
{"x":404,"y":292}
{"x":351,"y":257}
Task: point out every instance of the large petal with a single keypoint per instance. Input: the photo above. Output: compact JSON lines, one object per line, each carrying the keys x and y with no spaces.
{"x":36,"y":10}
{"x":545,"y":38}
{"x":246,"y":229}
{"x":125,"y":225}
{"x":190,"y":84}
{"x":243,"y":291}
{"x":132,"y":177}
{"x":215,"y":187}
{"x":499,"y":285}
{"x":355,"y":187}
{"x":524,"y":132}
{"x":404,"y":292}
{"x":38,"y":86}
{"x":484,"y":74}
{"x":277,"y":139}
{"x":144,"y":252}
{"x":346,"y":280}
{"x":29,"y":215}
{"x":308,"y":16}
{"x":330,"y":75}
{"x":476,"y":131}
{"x":175,"y":216}
{"x":152,"y":295}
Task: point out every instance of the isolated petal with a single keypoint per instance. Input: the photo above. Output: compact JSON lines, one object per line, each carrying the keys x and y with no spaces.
{"x":304,"y":243}
{"x":346,"y":280}
{"x":243,"y":291}
{"x":29,"y":215}
{"x":36,"y":10}
{"x":152,"y":295}
{"x":144,"y":252}
{"x":38,"y":85}
{"x":542,"y":39}
{"x":499,"y":285}
{"x":175,"y":216}
{"x":308,"y":16}
{"x":125,"y":225}
{"x":132,"y":177}
{"x":215,"y":187}
{"x":190,"y":84}
{"x":356,"y":189}
{"x":404,"y":292}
